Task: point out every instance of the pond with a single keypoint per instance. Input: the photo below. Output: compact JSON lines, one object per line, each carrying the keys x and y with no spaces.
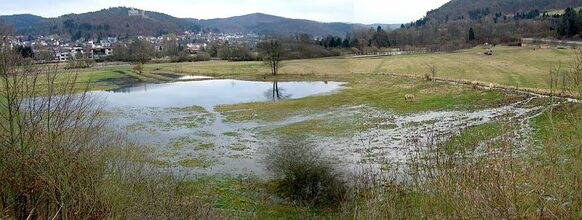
{"x":210,"y":93}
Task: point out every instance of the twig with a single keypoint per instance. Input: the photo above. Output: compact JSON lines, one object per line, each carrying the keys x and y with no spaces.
{"x":56,"y":214}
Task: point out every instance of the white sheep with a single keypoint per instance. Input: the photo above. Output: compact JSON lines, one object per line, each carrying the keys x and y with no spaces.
{"x":409,"y":98}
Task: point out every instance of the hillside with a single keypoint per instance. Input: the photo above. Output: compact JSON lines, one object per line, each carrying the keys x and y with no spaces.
{"x":107,"y":22}
{"x":476,"y":9}
{"x":269,"y":24}
{"x":22,"y":21}
{"x":465,"y":23}
{"x":116,"y":21}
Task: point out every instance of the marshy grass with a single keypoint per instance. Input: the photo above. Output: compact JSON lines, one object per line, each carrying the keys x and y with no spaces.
{"x":462,"y":178}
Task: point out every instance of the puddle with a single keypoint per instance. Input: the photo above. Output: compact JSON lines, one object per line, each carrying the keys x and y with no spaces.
{"x":210,"y":93}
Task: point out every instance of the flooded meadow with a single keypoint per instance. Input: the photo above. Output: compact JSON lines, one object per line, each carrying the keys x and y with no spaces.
{"x":178,"y":123}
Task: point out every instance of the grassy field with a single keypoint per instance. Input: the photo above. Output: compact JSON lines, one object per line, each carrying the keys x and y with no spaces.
{"x":509,"y":66}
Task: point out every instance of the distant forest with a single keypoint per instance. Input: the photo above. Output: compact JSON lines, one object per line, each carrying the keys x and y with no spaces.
{"x":436,"y":32}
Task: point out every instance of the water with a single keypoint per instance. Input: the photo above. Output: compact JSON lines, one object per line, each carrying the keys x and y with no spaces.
{"x":210,"y":93}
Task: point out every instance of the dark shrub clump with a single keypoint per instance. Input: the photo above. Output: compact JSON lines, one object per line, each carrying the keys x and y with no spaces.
{"x":304,"y":175}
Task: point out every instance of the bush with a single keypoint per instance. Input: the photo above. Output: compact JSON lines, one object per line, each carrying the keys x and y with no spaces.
{"x":82,"y":63}
{"x":202,"y":56}
{"x":138,"y":68}
{"x":182,"y":56}
{"x":304,"y":175}
{"x":427,"y":77}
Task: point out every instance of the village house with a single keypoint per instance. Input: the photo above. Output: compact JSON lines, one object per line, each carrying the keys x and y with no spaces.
{"x":195,"y":47}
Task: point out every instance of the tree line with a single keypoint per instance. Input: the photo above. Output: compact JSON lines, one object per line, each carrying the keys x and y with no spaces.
{"x":570,"y":24}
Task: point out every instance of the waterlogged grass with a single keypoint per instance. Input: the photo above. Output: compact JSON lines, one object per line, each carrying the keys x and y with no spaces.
{"x":238,"y":147}
{"x":238,"y":156}
{"x":191,"y":109}
{"x":231,"y":134}
{"x":471,"y":137}
{"x":383,"y":92}
{"x":168,"y":154}
{"x":331,"y":127}
{"x":201,"y":161}
{"x":181,"y":142}
{"x":141,"y":127}
{"x":204,"y":146}
{"x":189,"y":121}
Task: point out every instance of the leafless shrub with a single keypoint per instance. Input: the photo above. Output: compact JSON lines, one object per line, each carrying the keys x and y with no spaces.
{"x":304,"y":175}
{"x":433,"y":70}
{"x":138,"y":68}
{"x":80,"y":63}
{"x":427,"y":77}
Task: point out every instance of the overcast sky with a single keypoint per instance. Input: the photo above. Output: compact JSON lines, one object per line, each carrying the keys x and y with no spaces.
{"x":357,"y":11}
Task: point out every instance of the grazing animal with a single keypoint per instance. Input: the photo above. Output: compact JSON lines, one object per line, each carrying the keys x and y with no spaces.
{"x":491,"y":86}
{"x":409,"y":98}
{"x":475,"y":84}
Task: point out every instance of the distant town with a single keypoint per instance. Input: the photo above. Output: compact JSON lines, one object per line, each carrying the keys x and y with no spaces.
{"x":98,"y":49}
{"x":59,"y":49}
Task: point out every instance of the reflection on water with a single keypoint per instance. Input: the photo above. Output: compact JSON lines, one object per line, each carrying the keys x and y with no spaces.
{"x":209,"y":93}
{"x":276,"y":93}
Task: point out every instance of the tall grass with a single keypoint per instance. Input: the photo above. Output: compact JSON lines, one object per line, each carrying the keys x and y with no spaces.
{"x":504,"y":178}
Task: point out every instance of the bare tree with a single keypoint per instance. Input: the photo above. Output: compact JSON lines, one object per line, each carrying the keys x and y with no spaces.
{"x":554,"y":78}
{"x":433,"y":70}
{"x":141,"y":52}
{"x":271,"y":51}
{"x":170,"y":43}
{"x":575,"y":74}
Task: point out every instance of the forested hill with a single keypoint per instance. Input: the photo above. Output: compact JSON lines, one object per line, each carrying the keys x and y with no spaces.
{"x":476,"y":9}
{"x":123,"y":21}
{"x":268,"y":24}
{"x":107,"y":22}
{"x":23,"y":22}
{"x":465,"y":23}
